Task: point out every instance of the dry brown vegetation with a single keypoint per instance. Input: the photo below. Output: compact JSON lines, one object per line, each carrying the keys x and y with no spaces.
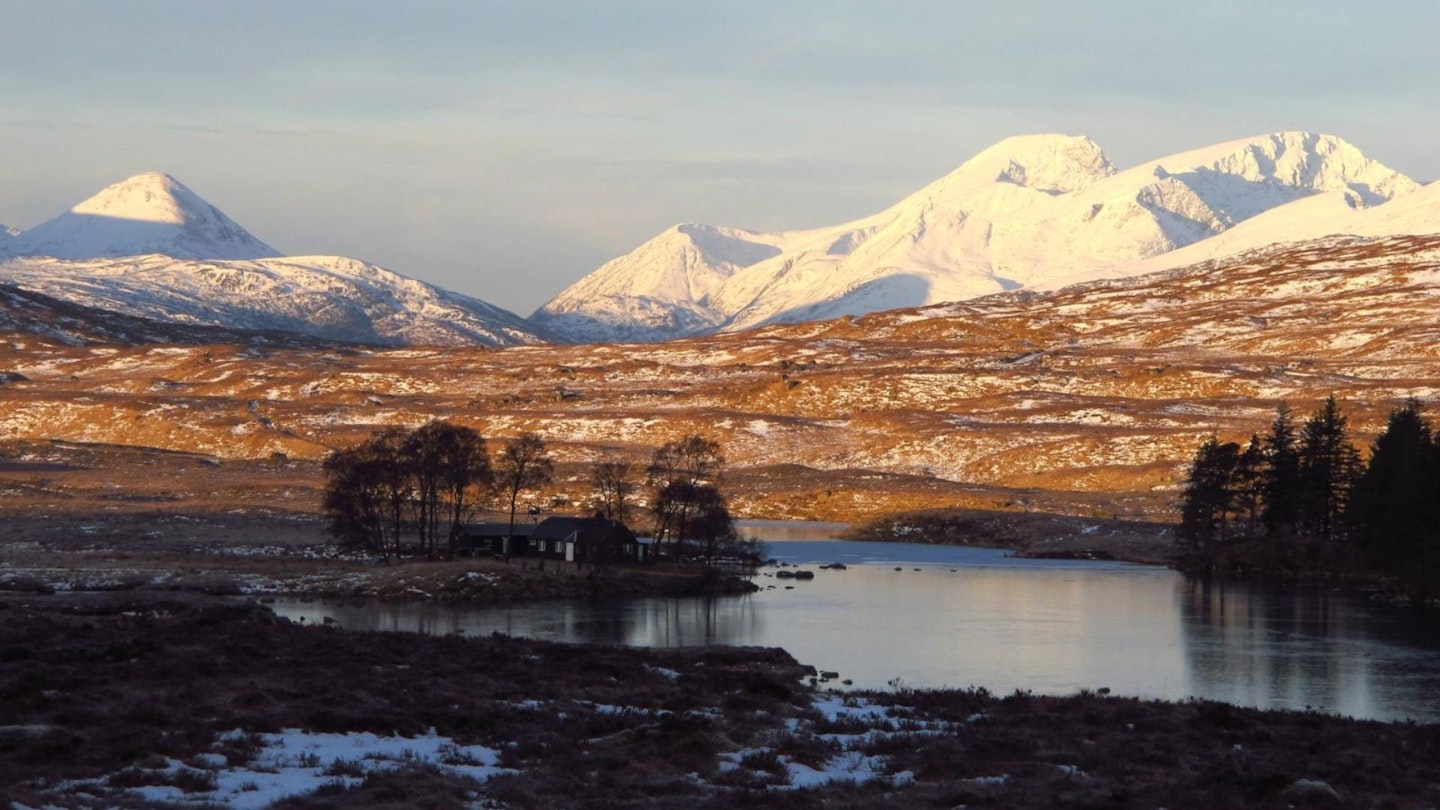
{"x":1083,"y":401}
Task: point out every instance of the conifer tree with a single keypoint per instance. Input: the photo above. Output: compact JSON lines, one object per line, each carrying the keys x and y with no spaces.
{"x":1248,"y":484}
{"x":1329,"y":465}
{"x":1281,"y":479}
{"x":1208,"y":498}
{"x":1395,"y":514}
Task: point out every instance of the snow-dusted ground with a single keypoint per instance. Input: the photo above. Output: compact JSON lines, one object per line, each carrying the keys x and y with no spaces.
{"x":1107,"y":386}
{"x":289,"y":764}
{"x":295,"y":763}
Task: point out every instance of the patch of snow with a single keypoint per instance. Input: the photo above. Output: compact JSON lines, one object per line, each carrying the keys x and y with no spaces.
{"x":295,"y":763}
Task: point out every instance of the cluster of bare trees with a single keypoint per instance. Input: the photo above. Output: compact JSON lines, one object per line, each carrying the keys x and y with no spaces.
{"x":686,"y":502}
{"x":423,"y":484}
{"x":410,"y":491}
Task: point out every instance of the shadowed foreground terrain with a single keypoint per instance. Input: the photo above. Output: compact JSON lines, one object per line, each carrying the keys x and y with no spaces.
{"x":128,"y":700}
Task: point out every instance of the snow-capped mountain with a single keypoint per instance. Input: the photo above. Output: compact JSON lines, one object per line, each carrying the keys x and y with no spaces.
{"x":667,"y":286}
{"x":1030,"y":212}
{"x":147,"y":213}
{"x":151,"y":248}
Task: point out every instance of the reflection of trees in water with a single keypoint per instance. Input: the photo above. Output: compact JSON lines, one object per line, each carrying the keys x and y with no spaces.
{"x":642,"y":622}
{"x":692,"y":622}
{"x":1287,"y":647}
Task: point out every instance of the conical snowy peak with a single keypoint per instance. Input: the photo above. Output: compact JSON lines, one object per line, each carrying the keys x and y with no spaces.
{"x":147,"y":213}
{"x":150,"y":247}
{"x":148,"y":197}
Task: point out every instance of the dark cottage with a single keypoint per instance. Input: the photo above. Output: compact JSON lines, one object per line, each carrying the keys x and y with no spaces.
{"x":589,"y":540}
{"x":488,"y":539}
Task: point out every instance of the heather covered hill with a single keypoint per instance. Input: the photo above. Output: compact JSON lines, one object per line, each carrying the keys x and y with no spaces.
{"x":1100,"y":392}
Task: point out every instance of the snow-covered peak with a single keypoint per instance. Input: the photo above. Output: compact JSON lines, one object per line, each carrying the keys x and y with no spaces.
{"x":147,"y":213}
{"x":665,"y":287}
{"x":148,"y":197}
{"x":1314,"y":162}
{"x":1055,"y":164}
{"x":1296,"y":164}
{"x":685,"y":262}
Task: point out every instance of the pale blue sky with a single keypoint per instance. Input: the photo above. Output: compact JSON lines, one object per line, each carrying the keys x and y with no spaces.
{"x":505,"y":149}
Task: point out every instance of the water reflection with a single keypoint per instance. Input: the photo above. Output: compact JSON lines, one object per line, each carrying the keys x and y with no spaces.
{"x":937,"y":616}
{"x":1307,"y":646}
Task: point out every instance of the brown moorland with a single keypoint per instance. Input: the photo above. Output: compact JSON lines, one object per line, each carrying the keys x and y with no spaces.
{"x":1087,"y":401}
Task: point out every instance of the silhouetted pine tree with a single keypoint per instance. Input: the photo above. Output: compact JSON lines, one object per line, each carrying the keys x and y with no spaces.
{"x":1208,"y":498}
{"x":1248,"y":485}
{"x":1395,"y":511}
{"x":1329,"y":466}
{"x":1281,"y":479}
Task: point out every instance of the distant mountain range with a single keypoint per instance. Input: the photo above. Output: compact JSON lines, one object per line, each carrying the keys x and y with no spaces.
{"x":1032,"y":212}
{"x":1037,"y":212}
{"x":149,"y":247}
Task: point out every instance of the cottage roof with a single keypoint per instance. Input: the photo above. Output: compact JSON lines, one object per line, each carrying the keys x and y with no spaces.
{"x":496,"y":529}
{"x":560,"y":528}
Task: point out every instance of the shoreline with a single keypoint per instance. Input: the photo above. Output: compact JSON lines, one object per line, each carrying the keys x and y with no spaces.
{"x":1030,"y":535}
{"x":141,"y":699}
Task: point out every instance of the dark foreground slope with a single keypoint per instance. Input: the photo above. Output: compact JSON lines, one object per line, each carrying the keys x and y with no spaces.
{"x":123,"y":695}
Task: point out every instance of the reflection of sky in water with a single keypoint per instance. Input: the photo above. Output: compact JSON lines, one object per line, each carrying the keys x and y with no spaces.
{"x":977,"y":616}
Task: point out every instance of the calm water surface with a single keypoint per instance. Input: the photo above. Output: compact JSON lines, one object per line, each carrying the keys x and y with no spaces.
{"x":961,"y":617}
